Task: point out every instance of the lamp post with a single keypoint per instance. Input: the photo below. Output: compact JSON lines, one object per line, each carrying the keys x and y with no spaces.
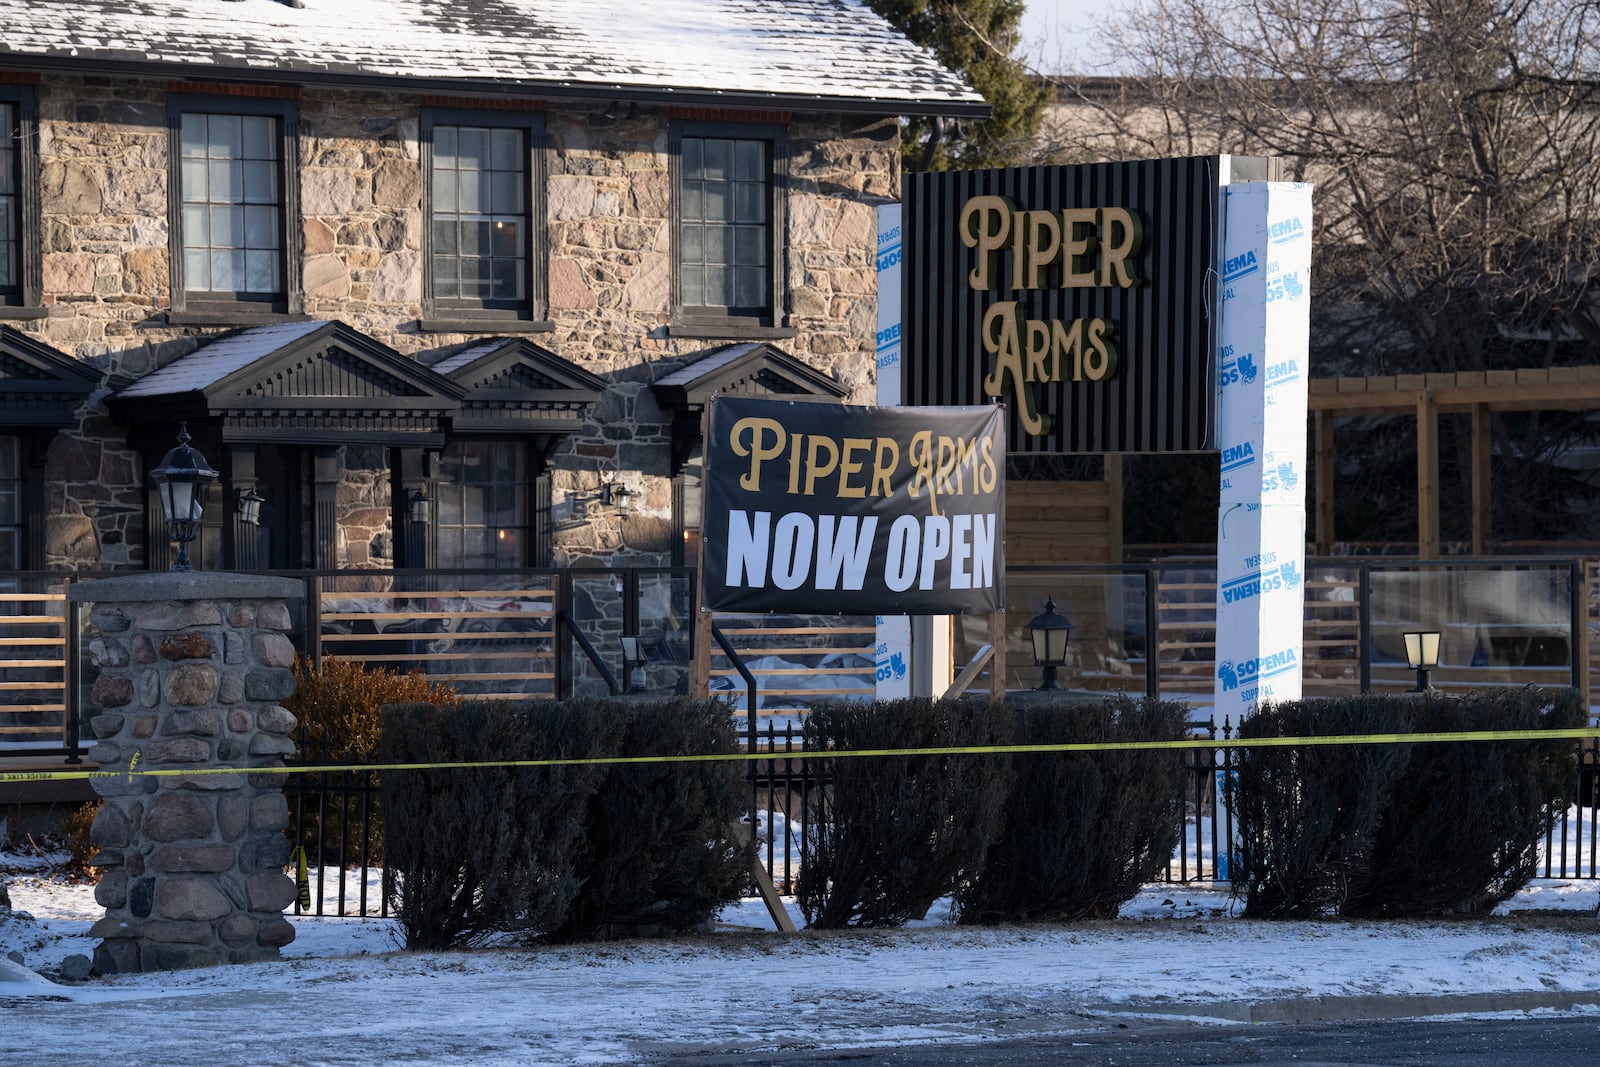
{"x":632,"y":671}
{"x":1422,"y":655}
{"x":182,"y":481}
{"x":1049,"y":632}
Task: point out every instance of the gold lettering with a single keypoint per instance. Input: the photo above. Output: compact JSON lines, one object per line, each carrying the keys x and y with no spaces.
{"x":923,"y":470}
{"x":884,"y":462}
{"x":1041,"y":253}
{"x":758,"y":452}
{"x":1002,"y":339}
{"x":1124,"y":237}
{"x":985,"y":225}
{"x":816,"y":470}
{"x":986,"y":470}
{"x":849,"y":466}
{"x":1078,"y":243}
{"x":1100,"y":362}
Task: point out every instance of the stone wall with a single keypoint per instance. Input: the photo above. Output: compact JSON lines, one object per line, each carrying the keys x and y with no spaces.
{"x":106,"y":241}
{"x":192,"y":669}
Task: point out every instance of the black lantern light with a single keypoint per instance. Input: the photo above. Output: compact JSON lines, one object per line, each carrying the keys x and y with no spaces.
{"x":1422,"y":655}
{"x":182,"y":481}
{"x":249,"y":505}
{"x":1049,"y":632}
{"x":417,"y":503}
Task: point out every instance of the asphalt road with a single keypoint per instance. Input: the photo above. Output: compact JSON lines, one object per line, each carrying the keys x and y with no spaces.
{"x":1571,"y":1041}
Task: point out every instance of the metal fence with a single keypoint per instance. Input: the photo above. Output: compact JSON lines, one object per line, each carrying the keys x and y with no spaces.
{"x":335,"y":819}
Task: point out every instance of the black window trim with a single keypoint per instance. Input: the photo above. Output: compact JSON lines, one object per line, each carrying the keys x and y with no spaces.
{"x":460,"y":316}
{"x":215,"y":309}
{"x":708,"y":323}
{"x":26,"y":301}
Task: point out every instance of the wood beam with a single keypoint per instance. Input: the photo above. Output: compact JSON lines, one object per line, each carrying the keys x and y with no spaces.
{"x":1322,"y":529}
{"x":1481,"y":487}
{"x":1427,"y":476}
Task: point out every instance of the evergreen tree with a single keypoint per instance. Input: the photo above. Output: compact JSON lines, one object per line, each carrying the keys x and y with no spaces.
{"x":979,"y":38}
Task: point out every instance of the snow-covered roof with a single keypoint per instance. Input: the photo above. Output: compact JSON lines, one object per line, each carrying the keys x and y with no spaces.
{"x":693,"y":372}
{"x":837,"y":54}
{"x":217,"y":359}
{"x":467,"y":356}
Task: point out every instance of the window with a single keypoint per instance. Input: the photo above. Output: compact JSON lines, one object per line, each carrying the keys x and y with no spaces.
{"x":232,"y":209}
{"x":482,"y":505}
{"x":19,"y":247}
{"x":13,"y":534}
{"x":484,"y":256}
{"x":728,"y":254}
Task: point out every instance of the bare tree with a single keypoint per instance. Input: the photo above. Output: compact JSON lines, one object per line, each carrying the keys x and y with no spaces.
{"x":1455,"y":146}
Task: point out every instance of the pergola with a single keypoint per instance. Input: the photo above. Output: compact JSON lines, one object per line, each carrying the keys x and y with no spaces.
{"x":1426,"y":396}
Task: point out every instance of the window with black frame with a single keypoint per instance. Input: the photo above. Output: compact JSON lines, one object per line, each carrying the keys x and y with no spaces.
{"x":483,"y":176}
{"x":233,"y":207}
{"x":20,"y":254}
{"x":13,"y":531}
{"x":729,"y":223}
{"x":10,"y":202}
{"x":483,"y":517}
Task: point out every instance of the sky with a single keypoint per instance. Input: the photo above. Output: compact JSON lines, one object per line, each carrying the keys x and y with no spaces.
{"x":344,"y":993}
{"x":1058,"y":34}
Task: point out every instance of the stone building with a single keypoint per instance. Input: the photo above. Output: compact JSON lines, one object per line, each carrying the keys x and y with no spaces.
{"x":440,"y":284}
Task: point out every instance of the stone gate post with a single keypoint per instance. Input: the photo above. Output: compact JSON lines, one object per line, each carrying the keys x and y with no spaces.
{"x":192,"y":667}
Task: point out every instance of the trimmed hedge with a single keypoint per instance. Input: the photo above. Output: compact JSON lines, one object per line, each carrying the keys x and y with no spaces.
{"x":1399,"y":830}
{"x":663,"y":847}
{"x":899,"y":832}
{"x":565,"y":852}
{"x":1081,"y":831}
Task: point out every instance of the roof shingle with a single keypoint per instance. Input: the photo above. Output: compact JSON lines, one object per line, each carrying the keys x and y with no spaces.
{"x":737,"y":52}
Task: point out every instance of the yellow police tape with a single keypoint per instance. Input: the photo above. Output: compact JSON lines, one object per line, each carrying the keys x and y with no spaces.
{"x":130,"y":773}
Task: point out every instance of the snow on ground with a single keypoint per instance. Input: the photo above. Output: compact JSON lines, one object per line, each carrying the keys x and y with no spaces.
{"x":346,"y":993}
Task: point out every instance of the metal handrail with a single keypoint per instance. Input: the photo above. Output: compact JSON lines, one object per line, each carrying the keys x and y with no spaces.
{"x":980,"y":660}
{"x":563,"y":619}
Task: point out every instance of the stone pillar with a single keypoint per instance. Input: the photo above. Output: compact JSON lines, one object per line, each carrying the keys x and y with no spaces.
{"x":192,"y":669}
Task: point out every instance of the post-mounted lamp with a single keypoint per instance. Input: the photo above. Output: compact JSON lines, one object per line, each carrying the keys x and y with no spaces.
{"x":1049,"y":632}
{"x":1422,"y":656}
{"x":183,"y":479}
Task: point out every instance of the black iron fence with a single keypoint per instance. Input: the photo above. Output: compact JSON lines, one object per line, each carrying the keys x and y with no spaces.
{"x":336,"y":822}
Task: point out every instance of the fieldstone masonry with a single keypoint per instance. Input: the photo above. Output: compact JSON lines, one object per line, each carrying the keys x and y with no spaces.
{"x":193,"y":668}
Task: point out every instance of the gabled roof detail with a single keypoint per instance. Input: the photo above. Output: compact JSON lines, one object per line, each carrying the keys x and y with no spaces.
{"x":40,"y":386}
{"x":322,"y":379}
{"x":833,"y":54}
{"x":749,"y":369}
{"x":514,"y":385}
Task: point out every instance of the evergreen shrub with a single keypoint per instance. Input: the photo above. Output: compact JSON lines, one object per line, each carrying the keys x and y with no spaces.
{"x":1305,"y":817}
{"x":898,"y":832}
{"x":1462,"y":828}
{"x":476,"y":851}
{"x":1399,"y":830}
{"x":1081,"y":831}
{"x":663,"y":848}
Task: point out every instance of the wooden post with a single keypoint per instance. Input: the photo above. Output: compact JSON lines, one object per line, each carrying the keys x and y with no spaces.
{"x":1427,"y":475}
{"x":700,"y":666}
{"x":997,"y":665}
{"x":1481,"y":520}
{"x":1322,"y":536}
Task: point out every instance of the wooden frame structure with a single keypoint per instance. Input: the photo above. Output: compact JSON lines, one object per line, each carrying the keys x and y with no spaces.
{"x":1426,"y":397}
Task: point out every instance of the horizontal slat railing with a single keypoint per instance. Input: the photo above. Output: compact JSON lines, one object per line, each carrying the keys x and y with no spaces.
{"x":33,"y":674}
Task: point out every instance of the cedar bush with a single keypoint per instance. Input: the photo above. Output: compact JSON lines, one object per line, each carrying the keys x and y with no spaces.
{"x":476,"y":851}
{"x":663,"y":847}
{"x":899,"y":832}
{"x":1462,"y":829}
{"x":1081,"y":831}
{"x":1305,"y":817}
{"x":339,"y":708}
{"x":1399,"y":830}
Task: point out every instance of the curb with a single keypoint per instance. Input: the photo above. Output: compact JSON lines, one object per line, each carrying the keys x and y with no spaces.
{"x":1348,"y":1009}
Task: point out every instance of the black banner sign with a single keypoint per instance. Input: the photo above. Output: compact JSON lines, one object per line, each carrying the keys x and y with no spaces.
{"x":830,"y":510}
